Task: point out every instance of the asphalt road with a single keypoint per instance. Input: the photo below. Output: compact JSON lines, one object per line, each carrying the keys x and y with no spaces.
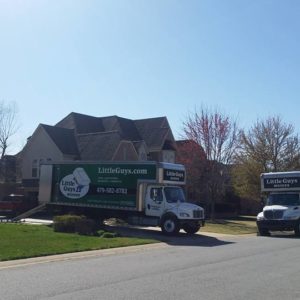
{"x":199,"y":267}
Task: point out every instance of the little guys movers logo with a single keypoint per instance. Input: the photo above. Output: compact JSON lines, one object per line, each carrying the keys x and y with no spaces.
{"x":76,"y":185}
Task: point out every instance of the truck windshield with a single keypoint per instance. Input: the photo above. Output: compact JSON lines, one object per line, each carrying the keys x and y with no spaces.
{"x":283,"y":199}
{"x":174,"y":194}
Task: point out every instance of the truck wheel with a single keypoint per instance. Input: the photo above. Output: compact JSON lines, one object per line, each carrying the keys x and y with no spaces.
{"x":297,"y":229}
{"x":191,"y":228}
{"x":170,"y":225}
{"x":263,"y":231}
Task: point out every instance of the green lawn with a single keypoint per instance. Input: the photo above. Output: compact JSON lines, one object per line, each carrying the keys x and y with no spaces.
{"x":241,"y":225}
{"x":23,"y":241}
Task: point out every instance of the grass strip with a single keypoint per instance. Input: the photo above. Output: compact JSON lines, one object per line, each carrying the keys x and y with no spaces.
{"x":231,"y":226}
{"x":23,"y":241}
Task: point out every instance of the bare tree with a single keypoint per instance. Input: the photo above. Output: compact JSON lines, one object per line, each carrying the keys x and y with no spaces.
{"x":217,"y":134}
{"x":269,"y":146}
{"x":8,"y":124}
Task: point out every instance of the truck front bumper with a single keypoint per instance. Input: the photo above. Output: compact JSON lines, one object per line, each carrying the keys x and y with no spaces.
{"x":200,"y":222}
{"x":279,"y":225}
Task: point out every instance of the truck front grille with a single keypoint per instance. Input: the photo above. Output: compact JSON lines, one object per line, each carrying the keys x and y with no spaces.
{"x":275,"y":214}
{"x":198,"y":214}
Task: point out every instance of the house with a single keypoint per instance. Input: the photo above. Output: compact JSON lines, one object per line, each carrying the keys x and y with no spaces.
{"x":8,"y":169}
{"x":89,"y":138}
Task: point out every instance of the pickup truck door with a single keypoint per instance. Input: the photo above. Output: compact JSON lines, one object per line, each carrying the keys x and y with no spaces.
{"x":155,"y":203}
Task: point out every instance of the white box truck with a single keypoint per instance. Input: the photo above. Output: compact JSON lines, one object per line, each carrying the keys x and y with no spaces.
{"x":141,"y":193}
{"x":282,"y":207}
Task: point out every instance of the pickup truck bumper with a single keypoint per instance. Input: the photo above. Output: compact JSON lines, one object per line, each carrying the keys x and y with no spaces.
{"x":279,"y":225}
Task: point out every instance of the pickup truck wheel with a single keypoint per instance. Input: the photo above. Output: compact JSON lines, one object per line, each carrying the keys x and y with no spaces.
{"x":297,"y":229}
{"x":170,"y":225}
{"x":191,"y":228}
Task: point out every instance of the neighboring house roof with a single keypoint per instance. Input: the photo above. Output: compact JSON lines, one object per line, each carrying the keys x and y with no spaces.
{"x":81,"y":123}
{"x":63,"y":138}
{"x":98,"y":146}
{"x":97,"y":138}
{"x":153,"y":131}
{"x":138,"y":144}
{"x":87,"y":124}
{"x":127,"y":129}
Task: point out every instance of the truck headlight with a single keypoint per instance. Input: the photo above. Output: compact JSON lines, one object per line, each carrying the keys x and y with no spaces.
{"x":184,"y":215}
{"x":260,"y":217}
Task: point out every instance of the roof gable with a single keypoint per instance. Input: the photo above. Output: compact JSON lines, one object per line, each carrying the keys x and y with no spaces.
{"x":154,"y":131}
{"x":63,"y":138}
{"x":81,"y":123}
{"x":98,"y":146}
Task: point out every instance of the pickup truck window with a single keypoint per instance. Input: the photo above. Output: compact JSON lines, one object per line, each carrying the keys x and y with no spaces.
{"x":284,"y":199}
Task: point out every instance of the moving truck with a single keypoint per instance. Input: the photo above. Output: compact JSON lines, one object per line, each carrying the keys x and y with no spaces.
{"x":282,"y":207}
{"x":141,"y":193}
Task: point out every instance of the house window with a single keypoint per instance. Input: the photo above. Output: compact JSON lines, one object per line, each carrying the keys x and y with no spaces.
{"x":34,"y":168}
{"x":169,"y":156}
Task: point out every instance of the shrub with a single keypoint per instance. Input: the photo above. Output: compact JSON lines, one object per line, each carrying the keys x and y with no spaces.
{"x":109,"y":235}
{"x":85,"y":227}
{"x":65,"y":223}
{"x":74,"y":224}
{"x":80,"y":225}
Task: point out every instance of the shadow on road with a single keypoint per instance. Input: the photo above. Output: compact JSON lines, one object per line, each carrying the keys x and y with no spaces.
{"x":283,"y":235}
{"x":182,"y":239}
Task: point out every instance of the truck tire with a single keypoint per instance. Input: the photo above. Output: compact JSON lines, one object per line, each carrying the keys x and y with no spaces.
{"x":191,"y":228}
{"x":263,"y":231}
{"x":297,"y":229}
{"x":170,"y":225}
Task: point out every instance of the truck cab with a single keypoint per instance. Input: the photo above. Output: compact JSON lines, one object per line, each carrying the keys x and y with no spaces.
{"x":282,"y":206}
{"x":168,"y":203}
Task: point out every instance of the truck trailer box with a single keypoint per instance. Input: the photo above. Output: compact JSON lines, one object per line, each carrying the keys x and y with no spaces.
{"x":106,"y":185}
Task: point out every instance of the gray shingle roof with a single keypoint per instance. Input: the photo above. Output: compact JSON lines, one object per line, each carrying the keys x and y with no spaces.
{"x":63,"y":138}
{"x":153,"y":131}
{"x":98,"y":146}
{"x":81,"y":123}
{"x":97,"y":138}
{"x":88,"y":124}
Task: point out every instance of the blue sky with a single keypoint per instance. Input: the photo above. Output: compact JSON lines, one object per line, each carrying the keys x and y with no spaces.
{"x":140,"y":59}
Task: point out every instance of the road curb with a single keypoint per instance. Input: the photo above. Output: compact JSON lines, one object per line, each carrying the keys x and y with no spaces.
{"x":78,"y":255}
